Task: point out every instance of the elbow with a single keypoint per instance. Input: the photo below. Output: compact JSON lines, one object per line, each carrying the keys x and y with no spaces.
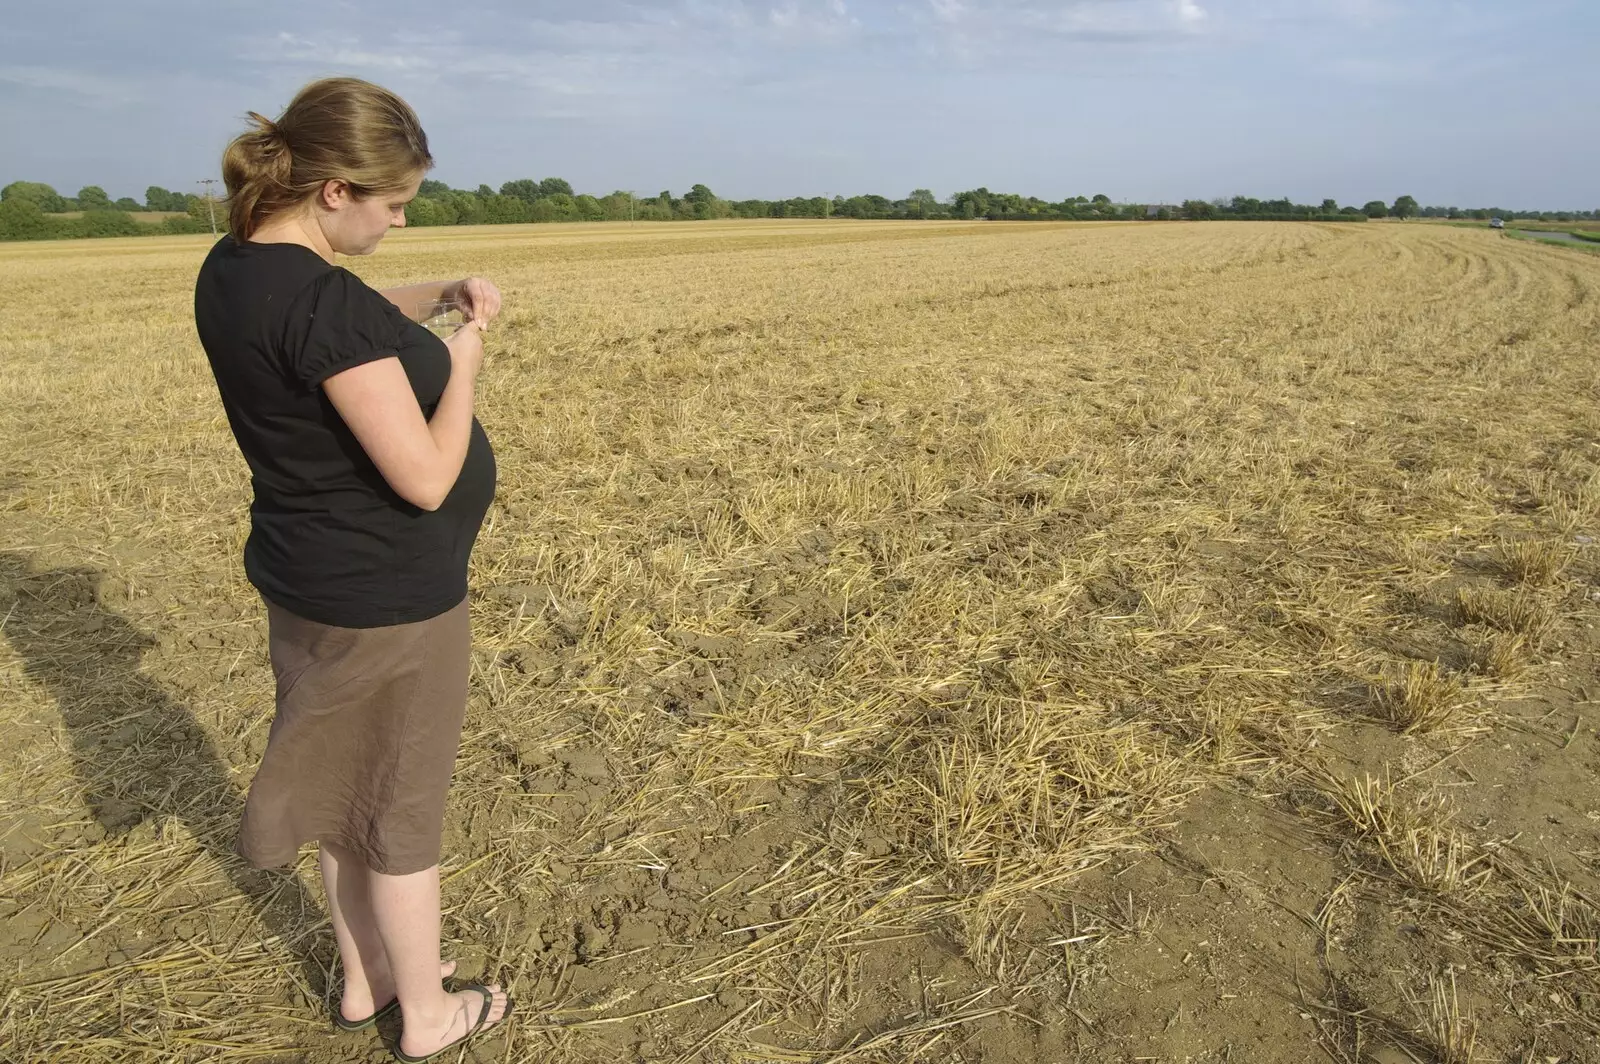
{"x":423,"y":496}
{"x":429,"y":500}
{"x":422,"y":484}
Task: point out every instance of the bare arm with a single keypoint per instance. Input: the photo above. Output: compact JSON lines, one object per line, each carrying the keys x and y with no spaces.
{"x":409,"y":298}
{"x":478,"y":298}
{"x":419,"y":458}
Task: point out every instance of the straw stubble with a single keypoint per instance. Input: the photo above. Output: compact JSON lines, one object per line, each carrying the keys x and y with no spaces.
{"x":852,"y":592}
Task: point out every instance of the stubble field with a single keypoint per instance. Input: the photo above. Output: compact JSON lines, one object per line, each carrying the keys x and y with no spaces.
{"x":894,"y":642}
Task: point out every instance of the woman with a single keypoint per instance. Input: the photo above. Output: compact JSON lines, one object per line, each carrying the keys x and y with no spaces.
{"x":371,"y":479}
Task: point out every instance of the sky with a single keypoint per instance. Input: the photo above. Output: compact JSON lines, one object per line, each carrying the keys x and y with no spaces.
{"x":1456,"y":102}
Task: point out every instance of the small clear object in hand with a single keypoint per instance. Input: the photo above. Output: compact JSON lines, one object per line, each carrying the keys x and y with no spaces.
{"x":441,"y":318}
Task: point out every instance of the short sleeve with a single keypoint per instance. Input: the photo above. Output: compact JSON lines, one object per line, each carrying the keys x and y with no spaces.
{"x":337,"y":323}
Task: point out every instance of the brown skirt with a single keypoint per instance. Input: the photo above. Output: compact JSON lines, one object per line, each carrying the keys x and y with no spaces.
{"x":364,"y":739}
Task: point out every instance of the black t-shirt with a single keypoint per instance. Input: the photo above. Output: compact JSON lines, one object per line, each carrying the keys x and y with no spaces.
{"x":330,"y":540}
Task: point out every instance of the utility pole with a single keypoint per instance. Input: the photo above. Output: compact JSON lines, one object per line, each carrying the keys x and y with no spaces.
{"x":211,"y":204}
{"x":630,"y":207}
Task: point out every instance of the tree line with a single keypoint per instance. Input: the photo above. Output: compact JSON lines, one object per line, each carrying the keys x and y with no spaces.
{"x":1403,"y":207}
{"x":31,"y":210}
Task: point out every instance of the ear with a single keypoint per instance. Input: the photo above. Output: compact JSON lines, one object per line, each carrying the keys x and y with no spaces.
{"x":336,"y":194}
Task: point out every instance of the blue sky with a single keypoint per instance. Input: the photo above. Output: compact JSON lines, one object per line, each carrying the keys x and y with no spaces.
{"x":1457,"y":102}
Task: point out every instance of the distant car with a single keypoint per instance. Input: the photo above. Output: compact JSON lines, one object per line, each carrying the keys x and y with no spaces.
{"x":1497,"y":223}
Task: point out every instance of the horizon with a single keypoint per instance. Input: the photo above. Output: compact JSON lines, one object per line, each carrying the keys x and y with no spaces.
{"x":1145,"y":101}
{"x":945,"y":200}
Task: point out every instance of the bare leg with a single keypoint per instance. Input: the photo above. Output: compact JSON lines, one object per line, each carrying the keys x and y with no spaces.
{"x":405,"y":911}
{"x":368,"y":982}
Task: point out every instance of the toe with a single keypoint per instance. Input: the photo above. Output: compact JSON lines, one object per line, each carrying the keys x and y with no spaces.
{"x":499,"y":1002}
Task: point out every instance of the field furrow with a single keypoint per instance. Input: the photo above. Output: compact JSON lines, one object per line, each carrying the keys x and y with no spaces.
{"x":894,"y":642}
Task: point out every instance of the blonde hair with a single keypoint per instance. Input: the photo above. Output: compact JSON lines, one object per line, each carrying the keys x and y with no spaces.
{"x":335,"y":129}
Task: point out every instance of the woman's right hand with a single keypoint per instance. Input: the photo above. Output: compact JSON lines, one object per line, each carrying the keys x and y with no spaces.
{"x":466,"y":349}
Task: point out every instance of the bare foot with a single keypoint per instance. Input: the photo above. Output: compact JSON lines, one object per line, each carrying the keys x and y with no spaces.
{"x":423,"y":1035}
{"x":363,"y":1001}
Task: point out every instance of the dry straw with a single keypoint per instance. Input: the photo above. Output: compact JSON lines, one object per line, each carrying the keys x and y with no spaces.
{"x":1442,"y":1023}
{"x":852,"y":594}
{"x":1424,"y":699}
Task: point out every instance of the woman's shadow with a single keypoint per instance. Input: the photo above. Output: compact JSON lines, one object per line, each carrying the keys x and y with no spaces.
{"x":140,"y":754}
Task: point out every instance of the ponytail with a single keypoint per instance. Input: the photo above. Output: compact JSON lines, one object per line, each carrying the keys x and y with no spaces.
{"x":336,"y":129}
{"x":258,"y":171}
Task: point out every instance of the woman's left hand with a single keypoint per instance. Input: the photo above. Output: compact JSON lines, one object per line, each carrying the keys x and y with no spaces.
{"x":479,"y":300}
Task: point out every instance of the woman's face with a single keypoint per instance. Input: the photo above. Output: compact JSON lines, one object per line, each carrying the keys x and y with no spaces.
{"x":355,"y":225}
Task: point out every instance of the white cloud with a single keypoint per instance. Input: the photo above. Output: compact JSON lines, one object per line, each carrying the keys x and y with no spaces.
{"x":288,"y":46}
{"x":830,"y":18}
{"x":992,"y":32}
{"x":1133,"y":19}
{"x":604,"y":59}
{"x":91,"y":87}
{"x":791,"y":96}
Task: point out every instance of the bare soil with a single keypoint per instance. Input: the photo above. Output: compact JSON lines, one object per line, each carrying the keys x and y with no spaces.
{"x":894,"y":643}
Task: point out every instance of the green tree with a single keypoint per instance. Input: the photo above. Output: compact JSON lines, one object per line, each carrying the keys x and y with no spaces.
{"x":501,"y":210}
{"x":525,"y":189}
{"x":157,"y":198}
{"x":1376,"y":209}
{"x":1330,"y":206}
{"x":588,"y":208}
{"x":182,"y":223}
{"x":433,"y":189}
{"x":102,"y":222}
{"x":425,"y":210}
{"x":1198,"y":209}
{"x":1404,"y":207}
{"x":554,"y":208}
{"x":971,"y":203}
{"x":128,"y":203}
{"x":1005,"y":205}
{"x":468,"y":208}
{"x":618,"y":205}
{"x":93,"y":198}
{"x":36,"y":192}
{"x":554,"y":186}
{"x":702,"y":202}
{"x":21,"y":219}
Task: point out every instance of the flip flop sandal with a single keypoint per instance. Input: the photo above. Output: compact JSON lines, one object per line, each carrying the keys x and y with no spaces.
{"x":361,"y":1025}
{"x":483,"y":1017}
